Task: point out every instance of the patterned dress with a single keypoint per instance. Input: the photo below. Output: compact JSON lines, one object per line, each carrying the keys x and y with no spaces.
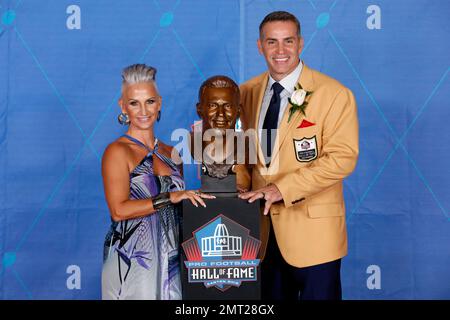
{"x":141,"y":256}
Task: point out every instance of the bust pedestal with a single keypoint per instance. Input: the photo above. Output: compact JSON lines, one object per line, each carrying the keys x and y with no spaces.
{"x":221,"y":244}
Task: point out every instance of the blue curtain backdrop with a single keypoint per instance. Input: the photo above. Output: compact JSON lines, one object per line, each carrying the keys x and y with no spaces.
{"x":60,"y":65}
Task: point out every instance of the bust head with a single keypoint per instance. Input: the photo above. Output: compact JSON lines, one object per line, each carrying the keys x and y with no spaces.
{"x":219,"y":103}
{"x":219,"y":107}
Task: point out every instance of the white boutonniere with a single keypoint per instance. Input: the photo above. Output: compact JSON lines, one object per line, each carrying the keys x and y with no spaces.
{"x":297,"y":100}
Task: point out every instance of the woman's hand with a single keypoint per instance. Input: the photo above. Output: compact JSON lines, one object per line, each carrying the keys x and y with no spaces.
{"x":194,"y":196}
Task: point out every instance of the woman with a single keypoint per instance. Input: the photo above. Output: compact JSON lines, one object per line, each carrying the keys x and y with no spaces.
{"x":142,"y":184}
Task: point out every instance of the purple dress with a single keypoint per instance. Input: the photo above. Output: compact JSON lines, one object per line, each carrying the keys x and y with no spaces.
{"x":141,"y":255}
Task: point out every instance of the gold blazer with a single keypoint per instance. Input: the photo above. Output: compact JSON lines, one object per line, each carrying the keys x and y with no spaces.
{"x":312,"y":155}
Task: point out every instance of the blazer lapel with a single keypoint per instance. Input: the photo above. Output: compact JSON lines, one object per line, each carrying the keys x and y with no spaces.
{"x":307,"y":83}
{"x":258,"y":95}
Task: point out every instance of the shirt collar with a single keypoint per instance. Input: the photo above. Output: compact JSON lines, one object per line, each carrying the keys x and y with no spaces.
{"x":290,"y":80}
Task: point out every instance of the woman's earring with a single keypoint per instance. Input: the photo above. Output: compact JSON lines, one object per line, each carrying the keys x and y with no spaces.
{"x":123,"y":119}
{"x":159,"y":116}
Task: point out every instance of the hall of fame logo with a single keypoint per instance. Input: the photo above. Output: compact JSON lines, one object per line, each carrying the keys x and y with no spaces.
{"x":221,"y":254}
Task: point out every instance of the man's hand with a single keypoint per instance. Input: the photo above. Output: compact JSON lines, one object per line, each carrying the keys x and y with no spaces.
{"x":270,"y":193}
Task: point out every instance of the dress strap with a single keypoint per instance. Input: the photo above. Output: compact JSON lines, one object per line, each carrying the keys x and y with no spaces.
{"x":165,"y":159}
{"x":150,"y":151}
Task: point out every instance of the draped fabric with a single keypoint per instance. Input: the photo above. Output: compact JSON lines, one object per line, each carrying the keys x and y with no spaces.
{"x":141,"y":255}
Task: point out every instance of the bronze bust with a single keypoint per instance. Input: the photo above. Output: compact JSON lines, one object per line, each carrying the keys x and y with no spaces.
{"x":219,"y":108}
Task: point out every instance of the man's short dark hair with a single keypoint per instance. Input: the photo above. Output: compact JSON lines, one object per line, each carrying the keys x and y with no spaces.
{"x":280,"y":16}
{"x":218,"y":82}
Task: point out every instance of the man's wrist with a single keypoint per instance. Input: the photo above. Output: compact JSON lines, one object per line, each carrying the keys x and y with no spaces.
{"x":276,"y":185}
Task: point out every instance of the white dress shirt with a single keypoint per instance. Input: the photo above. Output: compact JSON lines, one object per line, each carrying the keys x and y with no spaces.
{"x":288,"y":83}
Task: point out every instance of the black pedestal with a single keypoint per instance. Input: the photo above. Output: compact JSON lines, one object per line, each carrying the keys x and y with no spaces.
{"x":219,"y":250}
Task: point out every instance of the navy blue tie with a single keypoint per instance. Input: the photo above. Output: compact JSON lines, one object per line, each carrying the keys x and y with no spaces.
{"x":271,"y":119}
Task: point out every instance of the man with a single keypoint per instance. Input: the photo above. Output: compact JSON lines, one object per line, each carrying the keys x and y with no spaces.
{"x":300,"y":175}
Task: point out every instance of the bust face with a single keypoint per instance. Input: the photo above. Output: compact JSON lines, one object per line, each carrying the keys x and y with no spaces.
{"x":218,"y":108}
